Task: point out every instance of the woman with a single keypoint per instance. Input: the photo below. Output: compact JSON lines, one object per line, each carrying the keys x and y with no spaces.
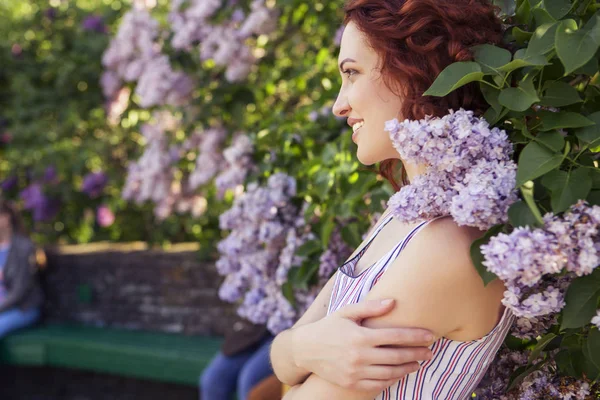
{"x":391,"y":52}
{"x":20,"y":293}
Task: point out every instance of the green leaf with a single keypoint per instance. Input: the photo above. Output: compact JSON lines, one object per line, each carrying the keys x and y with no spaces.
{"x":506,"y":6}
{"x":576,"y":47}
{"x":308,"y":248}
{"x":594,"y":198}
{"x":553,"y":140}
{"x":557,"y":8}
{"x":541,"y":344}
{"x":535,"y":161}
{"x":567,"y":187}
{"x":566,"y":361}
{"x":589,"y":69}
{"x":521,"y":59}
{"x":521,"y":373}
{"x":520,"y":98}
{"x":562,"y":120}
{"x":593,"y":347}
{"x":559,"y":94}
{"x":542,"y":16}
{"x":581,"y":301}
{"x":329,"y":153}
{"x":519,"y":214}
{"x":521,"y":36}
{"x":326,"y":230}
{"x":288,"y":293}
{"x":351,"y":235}
{"x":490,"y":95}
{"x":477,"y":257}
{"x":454,"y":76}
{"x":523,"y":13}
{"x":490,"y":57}
{"x":590,"y":135}
{"x":542,"y":40}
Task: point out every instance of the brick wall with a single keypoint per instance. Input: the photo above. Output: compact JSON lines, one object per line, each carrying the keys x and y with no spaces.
{"x":131,"y":286}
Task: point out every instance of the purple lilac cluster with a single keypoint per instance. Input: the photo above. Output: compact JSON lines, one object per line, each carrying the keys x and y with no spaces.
{"x":470,"y":172}
{"x":43,"y":207}
{"x":224,"y":43}
{"x":151,"y":176}
{"x":336,"y":253}
{"x":534,"y":327}
{"x":259,"y":220}
{"x":210,"y":158}
{"x":93,"y":183}
{"x":537,"y":265}
{"x":134,"y":54}
{"x":544,"y":383}
{"x":239,"y":164}
{"x":94,"y":23}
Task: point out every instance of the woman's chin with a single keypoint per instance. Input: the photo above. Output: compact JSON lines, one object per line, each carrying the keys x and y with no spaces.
{"x":364,"y":159}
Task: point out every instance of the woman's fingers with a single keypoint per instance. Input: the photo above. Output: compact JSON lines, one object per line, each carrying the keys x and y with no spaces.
{"x":405,"y":337}
{"x":396,"y":357}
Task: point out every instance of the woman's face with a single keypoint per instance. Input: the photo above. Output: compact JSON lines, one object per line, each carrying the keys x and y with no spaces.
{"x":365,"y":99}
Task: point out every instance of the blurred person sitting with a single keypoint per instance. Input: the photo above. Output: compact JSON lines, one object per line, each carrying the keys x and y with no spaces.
{"x":240,"y":365}
{"x":21,"y":296}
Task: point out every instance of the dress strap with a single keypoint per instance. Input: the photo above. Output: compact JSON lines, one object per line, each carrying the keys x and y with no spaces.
{"x":370,"y":239}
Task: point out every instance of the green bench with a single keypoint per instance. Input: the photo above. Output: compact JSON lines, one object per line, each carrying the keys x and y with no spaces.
{"x":155,"y":356}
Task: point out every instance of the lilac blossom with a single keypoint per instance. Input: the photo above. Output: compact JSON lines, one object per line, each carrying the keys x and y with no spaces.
{"x":260,"y":21}
{"x":336,"y":253}
{"x":596,"y":319}
{"x":263,"y":223}
{"x":544,"y":383}
{"x":537,"y":265}
{"x":531,"y":328}
{"x":159,"y":84}
{"x":94,"y":183}
{"x":239,"y":164}
{"x":470,"y":172}
{"x":9,"y":183}
{"x":134,"y":54}
{"x":94,"y":23}
{"x":210,"y":159}
{"x":42,"y":207}
{"x":32,"y":196}
{"x":50,"y":175}
{"x":151,"y":177}
{"x":189,"y":24}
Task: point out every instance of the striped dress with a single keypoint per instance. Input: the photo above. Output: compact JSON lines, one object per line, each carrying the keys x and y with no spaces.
{"x":456,"y":367}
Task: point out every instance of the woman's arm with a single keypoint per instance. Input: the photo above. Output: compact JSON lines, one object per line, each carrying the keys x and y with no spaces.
{"x":439,"y":290}
{"x":283,"y":358}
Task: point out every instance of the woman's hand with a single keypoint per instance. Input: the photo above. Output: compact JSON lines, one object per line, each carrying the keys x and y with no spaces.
{"x":338,"y":349}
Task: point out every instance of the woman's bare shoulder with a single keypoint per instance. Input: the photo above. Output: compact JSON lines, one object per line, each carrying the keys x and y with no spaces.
{"x":436,"y":283}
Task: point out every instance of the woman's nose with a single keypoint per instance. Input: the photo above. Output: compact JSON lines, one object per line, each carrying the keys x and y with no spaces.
{"x":341,"y":108}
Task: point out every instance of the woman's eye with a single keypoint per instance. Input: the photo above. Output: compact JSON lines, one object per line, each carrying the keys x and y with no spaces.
{"x":350,"y":72}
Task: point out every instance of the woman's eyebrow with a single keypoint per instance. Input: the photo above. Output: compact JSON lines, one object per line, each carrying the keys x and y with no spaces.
{"x":345,"y":60}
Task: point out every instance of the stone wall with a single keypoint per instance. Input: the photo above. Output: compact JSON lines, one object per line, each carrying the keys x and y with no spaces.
{"x":133,"y":287}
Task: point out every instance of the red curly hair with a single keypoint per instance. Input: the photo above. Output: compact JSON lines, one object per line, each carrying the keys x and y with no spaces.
{"x":416,"y":40}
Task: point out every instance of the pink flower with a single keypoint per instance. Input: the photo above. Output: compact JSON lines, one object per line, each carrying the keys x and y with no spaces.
{"x":104,"y":216}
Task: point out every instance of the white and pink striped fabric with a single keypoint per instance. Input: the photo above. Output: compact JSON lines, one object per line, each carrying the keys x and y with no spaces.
{"x":456,"y":367}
